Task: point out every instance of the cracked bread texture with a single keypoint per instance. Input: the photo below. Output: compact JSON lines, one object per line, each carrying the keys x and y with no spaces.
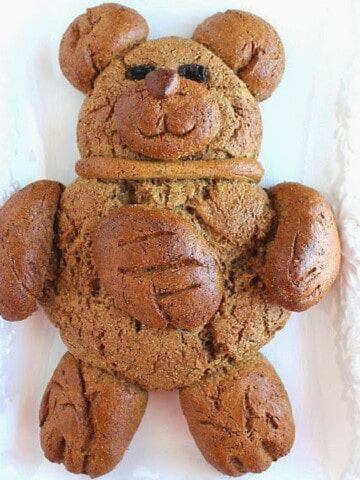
{"x":242,"y":421}
{"x":249,"y":45}
{"x":26,"y":236}
{"x":235,"y":219}
{"x":94,"y":38}
{"x":240,"y":132}
{"x":88,"y":418}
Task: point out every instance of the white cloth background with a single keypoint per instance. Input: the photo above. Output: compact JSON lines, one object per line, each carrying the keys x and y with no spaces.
{"x":311,"y":135}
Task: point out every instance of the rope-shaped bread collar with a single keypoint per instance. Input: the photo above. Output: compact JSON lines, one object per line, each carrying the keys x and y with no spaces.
{"x":112,"y":168}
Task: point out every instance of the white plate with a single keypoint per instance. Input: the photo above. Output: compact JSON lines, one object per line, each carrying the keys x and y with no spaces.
{"x":311,"y":134}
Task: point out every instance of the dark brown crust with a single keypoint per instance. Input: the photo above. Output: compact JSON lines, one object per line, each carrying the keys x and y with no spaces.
{"x":94,"y":38}
{"x":157,"y":267}
{"x":241,"y":421}
{"x":232,"y":217}
{"x":162,"y":82}
{"x":240,"y":131}
{"x":303,"y":259}
{"x":249,"y":45}
{"x":109,"y":168}
{"x":178,"y":125}
{"x":26,"y":236}
{"x":88,"y":418}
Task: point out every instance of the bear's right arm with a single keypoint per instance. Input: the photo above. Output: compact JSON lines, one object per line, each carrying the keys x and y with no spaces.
{"x":26,"y":241}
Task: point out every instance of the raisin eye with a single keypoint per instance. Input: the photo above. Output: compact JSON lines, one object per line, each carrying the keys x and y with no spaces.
{"x":138,"y":72}
{"x":193,"y":71}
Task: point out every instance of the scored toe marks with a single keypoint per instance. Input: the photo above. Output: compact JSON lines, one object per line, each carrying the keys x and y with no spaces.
{"x":241,"y":421}
{"x":88,"y":418}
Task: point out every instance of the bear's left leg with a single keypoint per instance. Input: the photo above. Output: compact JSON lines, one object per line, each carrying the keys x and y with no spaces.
{"x":88,"y":417}
{"x":241,"y":420}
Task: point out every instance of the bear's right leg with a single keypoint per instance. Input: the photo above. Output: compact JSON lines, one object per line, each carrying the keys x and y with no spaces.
{"x":88,"y":417}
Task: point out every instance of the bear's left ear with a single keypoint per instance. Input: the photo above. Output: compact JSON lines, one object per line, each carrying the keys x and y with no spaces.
{"x":95,"y":37}
{"x":248,"y":45}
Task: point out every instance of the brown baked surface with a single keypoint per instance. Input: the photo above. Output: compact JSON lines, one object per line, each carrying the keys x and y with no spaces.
{"x":164,"y":265}
{"x":240,"y":131}
{"x":98,"y":332}
{"x":88,"y":418}
{"x":157,"y":267}
{"x":95,"y":37}
{"x":26,"y":236}
{"x":168,"y":128}
{"x":249,"y":45}
{"x":111,"y":168}
{"x":241,"y":421}
{"x":303,"y":259}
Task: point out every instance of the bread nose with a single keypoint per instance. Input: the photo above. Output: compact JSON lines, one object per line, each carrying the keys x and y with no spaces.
{"x":162,"y":82}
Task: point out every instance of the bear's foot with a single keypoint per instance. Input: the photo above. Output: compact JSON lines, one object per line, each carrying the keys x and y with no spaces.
{"x":241,"y":420}
{"x":88,"y":417}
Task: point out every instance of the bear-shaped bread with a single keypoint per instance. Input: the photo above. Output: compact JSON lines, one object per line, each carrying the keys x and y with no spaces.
{"x":165,"y":265}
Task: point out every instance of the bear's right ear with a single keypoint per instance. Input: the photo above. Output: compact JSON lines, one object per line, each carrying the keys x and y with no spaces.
{"x":95,"y":37}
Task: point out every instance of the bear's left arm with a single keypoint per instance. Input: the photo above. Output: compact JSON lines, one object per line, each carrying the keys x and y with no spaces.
{"x":303,"y":255}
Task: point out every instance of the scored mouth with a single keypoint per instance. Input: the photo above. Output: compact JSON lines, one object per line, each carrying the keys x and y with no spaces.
{"x":167,"y":128}
{"x":166,"y":124}
{"x":166,"y":132}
